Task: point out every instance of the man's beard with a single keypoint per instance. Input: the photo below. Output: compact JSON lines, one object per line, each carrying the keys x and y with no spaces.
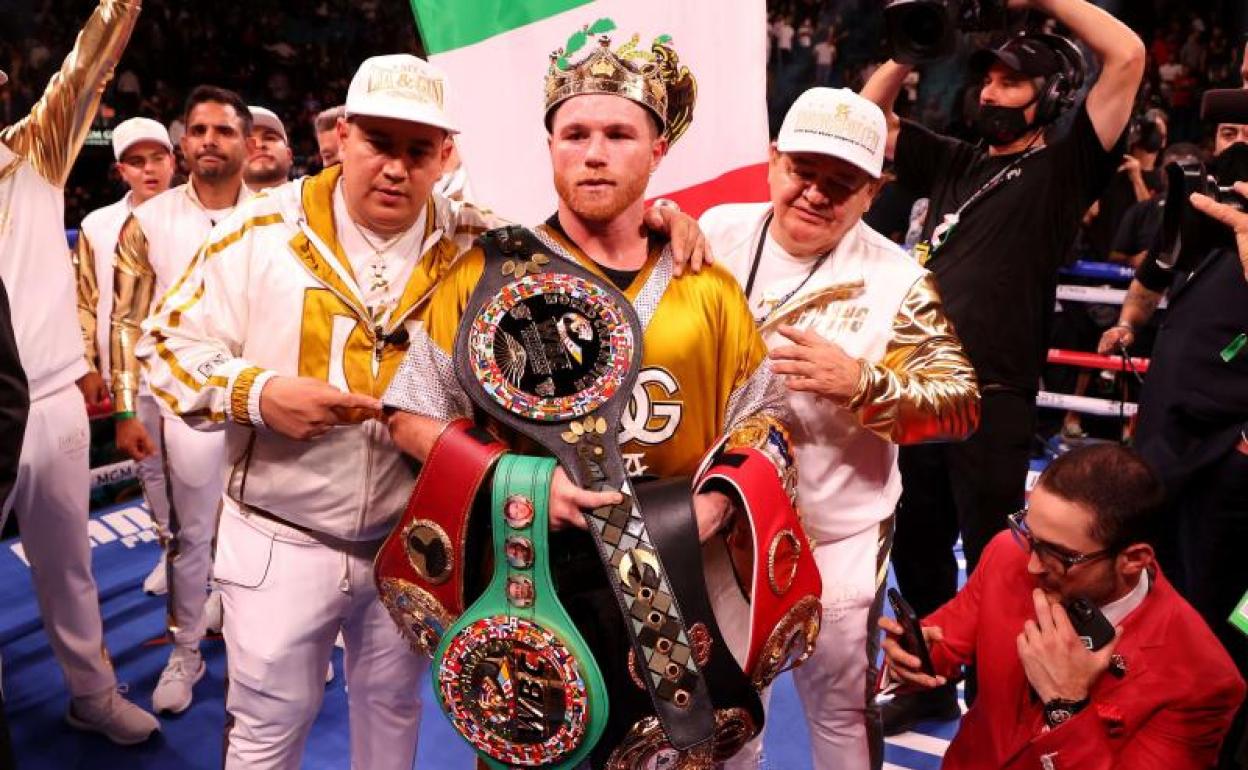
{"x":600,"y":208}
{"x":265,"y":175}
{"x":225,"y":170}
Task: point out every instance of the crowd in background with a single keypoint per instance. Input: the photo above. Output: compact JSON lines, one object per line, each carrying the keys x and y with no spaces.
{"x":299,"y":63}
{"x":1191,"y":47}
{"x":293,"y":59}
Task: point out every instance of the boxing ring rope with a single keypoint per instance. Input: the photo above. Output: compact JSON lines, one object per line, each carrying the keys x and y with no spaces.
{"x":1099,"y":271}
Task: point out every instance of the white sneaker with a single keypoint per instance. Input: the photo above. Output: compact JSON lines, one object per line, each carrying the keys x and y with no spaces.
{"x":112,"y":716}
{"x":173,"y":691}
{"x":214,"y":615}
{"x":157,"y":581}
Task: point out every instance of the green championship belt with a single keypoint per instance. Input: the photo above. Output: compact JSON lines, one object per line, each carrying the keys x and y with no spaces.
{"x":513,"y":674}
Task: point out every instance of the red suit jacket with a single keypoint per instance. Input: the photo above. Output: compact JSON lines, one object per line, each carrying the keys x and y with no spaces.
{"x":1169,"y":711}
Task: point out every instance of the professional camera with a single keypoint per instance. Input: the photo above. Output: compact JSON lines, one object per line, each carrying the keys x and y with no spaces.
{"x":1188,"y":235}
{"x":921,"y":31}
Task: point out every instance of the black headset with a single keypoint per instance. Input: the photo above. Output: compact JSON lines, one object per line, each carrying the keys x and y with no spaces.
{"x":1060,"y":89}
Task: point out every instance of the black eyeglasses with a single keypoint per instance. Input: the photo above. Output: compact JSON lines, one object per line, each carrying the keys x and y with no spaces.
{"x":1054,"y":557}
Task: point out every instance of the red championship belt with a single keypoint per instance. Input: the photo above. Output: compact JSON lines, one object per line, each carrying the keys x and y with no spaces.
{"x":420,"y":568}
{"x":773,"y":563}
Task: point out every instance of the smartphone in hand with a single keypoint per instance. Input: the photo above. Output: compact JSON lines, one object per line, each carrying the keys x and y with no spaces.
{"x":912,"y":634}
{"x":1093,"y":628}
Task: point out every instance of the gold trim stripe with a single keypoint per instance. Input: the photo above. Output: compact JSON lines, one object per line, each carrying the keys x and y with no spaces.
{"x":172,"y":401}
{"x":181,"y":374}
{"x":216,"y":247}
{"x":240,"y":394}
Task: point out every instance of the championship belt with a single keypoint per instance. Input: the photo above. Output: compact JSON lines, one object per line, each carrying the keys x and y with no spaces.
{"x":420,"y":568}
{"x":773,"y":563}
{"x":552,"y":351}
{"x":513,"y":674}
{"x":668,"y":511}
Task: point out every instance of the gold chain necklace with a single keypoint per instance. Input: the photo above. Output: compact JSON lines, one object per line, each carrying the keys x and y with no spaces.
{"x":377,"y":269}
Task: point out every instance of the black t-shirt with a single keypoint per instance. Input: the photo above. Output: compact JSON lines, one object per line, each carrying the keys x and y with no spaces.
{"x":621,"y":278}
{"x":1139,"y":227}
{"x":1116,"y":200}
{"x":997,"y":271}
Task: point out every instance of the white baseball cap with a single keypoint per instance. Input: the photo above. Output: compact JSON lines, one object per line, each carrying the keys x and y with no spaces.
{"x":402,"y":87}
{"x":839,"y":123}
{"x":130,"y":132}
{"x":262,"y":117}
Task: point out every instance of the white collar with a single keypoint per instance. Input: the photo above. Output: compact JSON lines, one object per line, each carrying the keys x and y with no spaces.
{"x":1118,"y":610}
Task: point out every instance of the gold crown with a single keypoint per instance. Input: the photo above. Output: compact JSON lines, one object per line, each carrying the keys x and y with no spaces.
{"x":655,"y":79}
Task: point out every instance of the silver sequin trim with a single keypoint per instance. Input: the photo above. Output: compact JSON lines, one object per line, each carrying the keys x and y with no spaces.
{"x":647,"y":301}
{"x":425,"y":383}
{"x":762,"y":393}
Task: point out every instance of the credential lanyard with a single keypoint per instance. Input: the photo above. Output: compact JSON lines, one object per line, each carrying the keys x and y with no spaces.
{"x":758,"y":255}
{"x":942,"y":232}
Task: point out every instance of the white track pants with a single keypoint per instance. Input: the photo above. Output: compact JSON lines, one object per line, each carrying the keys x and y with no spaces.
{"x":836,"y":685}
{"x":151,"y":470}
{"x":286,"y":598}
{"x":50,"y":500}
{"x":192,"y":471}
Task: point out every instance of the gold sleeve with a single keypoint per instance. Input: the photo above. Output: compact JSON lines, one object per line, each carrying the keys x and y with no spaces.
{"x":134,"y":282}
{"x":445,"y":309}
{"x":924,"y":388}
{"x":88,"y":297}
{"x":52,"y":134}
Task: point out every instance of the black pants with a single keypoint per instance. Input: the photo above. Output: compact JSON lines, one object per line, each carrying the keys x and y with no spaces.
{"x":1213,"y":532}
{"x":969,"y":488}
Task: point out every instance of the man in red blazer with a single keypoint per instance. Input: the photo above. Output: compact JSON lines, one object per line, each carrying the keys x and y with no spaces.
{"x":1160,"y":696}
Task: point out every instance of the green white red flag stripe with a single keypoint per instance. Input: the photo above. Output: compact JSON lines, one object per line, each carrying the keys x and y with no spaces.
{"x":496,"y":53}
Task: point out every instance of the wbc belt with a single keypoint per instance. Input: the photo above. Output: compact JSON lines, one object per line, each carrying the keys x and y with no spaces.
{"x":552,"y":351}
{"x":773,"y":563}
{"x":420,"y":568}
{"x":513,"y":674}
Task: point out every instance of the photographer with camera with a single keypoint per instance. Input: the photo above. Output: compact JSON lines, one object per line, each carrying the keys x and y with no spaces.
{"x":1193,"y":418}
{"x":1149,"y":285}
{"x":1088,"y":658}
{"x":1002,"y":218}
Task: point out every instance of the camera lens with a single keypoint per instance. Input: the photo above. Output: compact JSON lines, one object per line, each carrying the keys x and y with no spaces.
{"x":920,"y":30}
{"x":924,"y":26}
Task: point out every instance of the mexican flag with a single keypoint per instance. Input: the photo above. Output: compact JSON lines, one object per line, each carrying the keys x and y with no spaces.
{"x":496,"y":52}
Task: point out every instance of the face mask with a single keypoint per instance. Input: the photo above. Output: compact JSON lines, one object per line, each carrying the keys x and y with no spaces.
{"x":1001,"y":125}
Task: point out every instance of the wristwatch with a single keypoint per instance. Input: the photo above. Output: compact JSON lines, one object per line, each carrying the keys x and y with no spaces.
{"x":1060,"y":710}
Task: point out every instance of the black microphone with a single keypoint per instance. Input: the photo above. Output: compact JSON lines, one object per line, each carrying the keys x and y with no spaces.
{"x":397,"y":337}
{"x":1224,"y":105}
